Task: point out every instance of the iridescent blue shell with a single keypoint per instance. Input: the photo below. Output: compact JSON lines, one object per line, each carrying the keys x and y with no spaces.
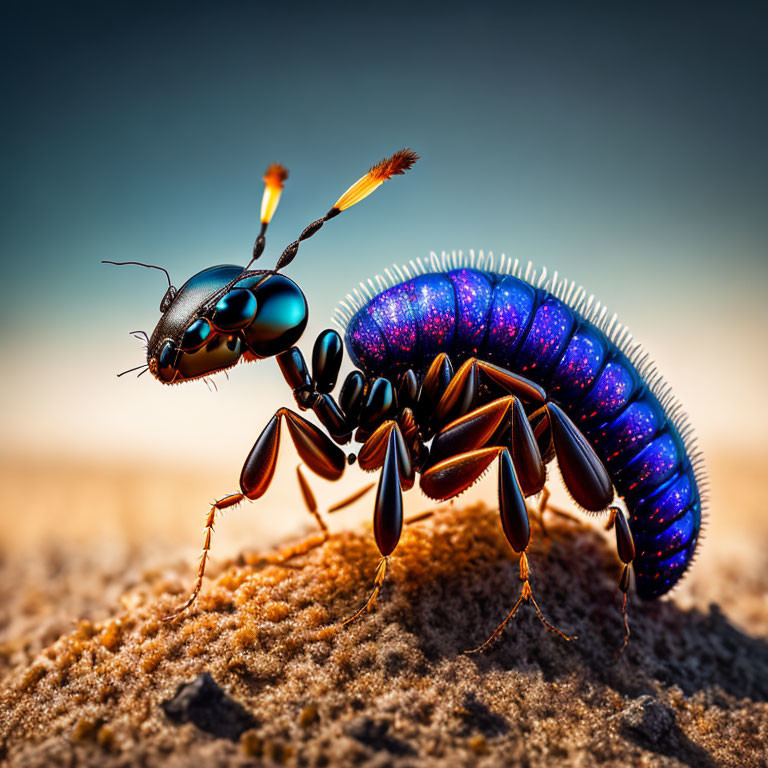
{"x":547,"y":331}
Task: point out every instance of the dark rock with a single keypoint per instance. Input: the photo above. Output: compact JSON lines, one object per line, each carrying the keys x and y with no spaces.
{"x":649,"y":720}
{"x":203,"y":703}
{"x":375,"y":734}
{"x":652,"y":725}
{"x":476,"y":715}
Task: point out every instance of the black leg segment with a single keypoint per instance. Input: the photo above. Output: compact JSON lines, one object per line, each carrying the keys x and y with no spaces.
{"x":583,"y":472}
{"x":525,"y":453}
{"x":314,"y":447}
{"x":514,"y":513}
{"x":388,"y":512}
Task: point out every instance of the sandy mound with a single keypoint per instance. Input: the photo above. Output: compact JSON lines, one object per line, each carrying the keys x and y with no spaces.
{"x":395,"y":688}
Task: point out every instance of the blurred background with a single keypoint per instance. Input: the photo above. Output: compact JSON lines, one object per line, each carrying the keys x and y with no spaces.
{"x":620,"y":144}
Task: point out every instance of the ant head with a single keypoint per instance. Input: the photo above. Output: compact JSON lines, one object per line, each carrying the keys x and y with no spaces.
{"x":221,"y":315}
{"x":226,"y":313}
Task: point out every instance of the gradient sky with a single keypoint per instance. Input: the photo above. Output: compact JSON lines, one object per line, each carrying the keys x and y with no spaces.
{"x":621,"y":144}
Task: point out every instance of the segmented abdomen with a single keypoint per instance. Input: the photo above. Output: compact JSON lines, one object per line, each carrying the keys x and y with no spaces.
{"x":583,"y":367}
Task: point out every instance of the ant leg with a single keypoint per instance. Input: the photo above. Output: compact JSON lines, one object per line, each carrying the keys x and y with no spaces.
{"x":407,"y":389}
{"x":543,"y":433}
{"x":525,"y":596}
{"x":526,"y":457}
{"x":330,"y":415}
{"x":296,"y":550}
{"x":544,"y":506}
{"x":293,"y":366}
{"x":414,"y":440}
{"x":500,"y":422}
{"x":624,"y":583}
{"x":514,"y":519}
{"x":310,"y":501}
{"x":351,"y":499}
{"x":543,"y":500}
{"x":503,"y":419}
{"x":227,"y":501}
{"x":370,"y":603}
{"x":459,"y":396}
{"x":471,"y":431}
{"x":314,"y":391}
{"x":327,"y":355}
{"x":541,"y":507}
{"x":626,"y":549}
{"x":372,"y":454}
{"x":317,"y":451}
{"x":583,"y":473}
{"x":312,"y":542}
{"x":435,"y":381}
{"x":454,"y":475}
{"x":388,"y":510}
{"x":387,"y":518}
{"x":420,"y":516}
{"x":315,"y":541}
{"x":539,"y":421}
{"x":315,"y":448}
{"x":512,"y":383}
{"x":351,"y":396}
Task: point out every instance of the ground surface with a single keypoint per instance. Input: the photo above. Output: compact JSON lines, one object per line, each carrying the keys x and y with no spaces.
{"x":395,"y":688}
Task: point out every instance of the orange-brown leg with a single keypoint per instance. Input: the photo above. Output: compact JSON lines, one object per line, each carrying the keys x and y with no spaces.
{"x":285,"y":555}
{"x":625,"y":546}
{"x":381,"y":570}
{"x":370,"y":603}
{"x":314,"y":447}
{"x":310,"y":502}
{"x":420,"y":516}
{"x":351,"y":499}
{"x":227,"y":501}
{"x":387,"y":514}
{"x":538,"y":512}
{"x":312,"y":542}
{"x":545,"y":506}
{"x":624,"y":587}
{"x":526,"y":596}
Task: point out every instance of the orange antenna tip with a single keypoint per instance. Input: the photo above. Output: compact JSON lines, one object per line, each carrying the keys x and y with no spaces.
{"x":274,"y":181}
{"x":398,"y":164}
{"x":276,"y":175}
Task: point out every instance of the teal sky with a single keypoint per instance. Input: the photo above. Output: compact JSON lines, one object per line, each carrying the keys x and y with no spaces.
{"x":623,"y":144}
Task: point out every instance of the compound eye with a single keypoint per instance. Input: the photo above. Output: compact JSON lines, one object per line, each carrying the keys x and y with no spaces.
{"x":196,"y":335}
{"x":234,"y":310}
{"x":166,"y":362}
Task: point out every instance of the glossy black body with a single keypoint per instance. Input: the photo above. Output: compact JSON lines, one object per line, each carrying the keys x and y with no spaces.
{"x":221,"y":314}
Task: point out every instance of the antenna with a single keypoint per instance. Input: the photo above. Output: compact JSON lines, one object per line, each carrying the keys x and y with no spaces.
{"x":398,"y":164}
{"x":274,"y":181}
{"x":141,"y":264}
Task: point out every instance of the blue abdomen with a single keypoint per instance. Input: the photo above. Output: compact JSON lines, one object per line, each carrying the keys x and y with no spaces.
{"x":585,"y":367}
